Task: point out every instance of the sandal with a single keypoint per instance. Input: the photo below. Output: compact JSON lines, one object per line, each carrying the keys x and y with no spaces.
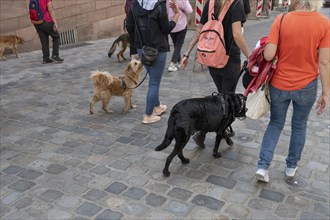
{"x":150,"y":119}
{"x":159,"y":110}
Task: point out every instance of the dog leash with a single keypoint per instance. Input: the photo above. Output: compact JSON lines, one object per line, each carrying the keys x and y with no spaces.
{"x":32,"y":37}
{"x":124,"y":84}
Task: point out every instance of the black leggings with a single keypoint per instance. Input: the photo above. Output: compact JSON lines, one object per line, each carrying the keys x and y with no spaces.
{"x":226,"y":79}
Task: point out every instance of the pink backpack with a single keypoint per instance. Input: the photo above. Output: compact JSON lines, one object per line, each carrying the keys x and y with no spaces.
{"x":211,"y":47}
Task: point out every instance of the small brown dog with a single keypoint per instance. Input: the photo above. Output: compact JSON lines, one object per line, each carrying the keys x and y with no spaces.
{"x":10,"y":42}
{"x":122,"y":42}
{"x":106,"y":85}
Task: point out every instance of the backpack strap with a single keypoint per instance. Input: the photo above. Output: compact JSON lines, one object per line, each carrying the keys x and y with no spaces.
{"x":223,"y":10}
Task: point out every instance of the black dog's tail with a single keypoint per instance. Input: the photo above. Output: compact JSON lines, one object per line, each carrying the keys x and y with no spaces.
{"x":169,"y":134}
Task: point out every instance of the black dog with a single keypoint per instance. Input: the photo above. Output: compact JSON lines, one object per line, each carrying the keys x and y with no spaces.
{"x":209,"y":114}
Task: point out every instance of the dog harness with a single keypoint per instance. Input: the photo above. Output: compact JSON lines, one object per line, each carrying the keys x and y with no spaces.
{"x":123,"y":83}
{"x":222,"y":100}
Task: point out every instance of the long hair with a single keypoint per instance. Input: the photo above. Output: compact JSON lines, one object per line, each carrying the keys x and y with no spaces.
{"x":218,"y":5}
{"x":310,"y":5}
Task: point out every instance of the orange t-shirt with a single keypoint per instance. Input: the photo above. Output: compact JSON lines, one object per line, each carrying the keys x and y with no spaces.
{"x":302,"y":34}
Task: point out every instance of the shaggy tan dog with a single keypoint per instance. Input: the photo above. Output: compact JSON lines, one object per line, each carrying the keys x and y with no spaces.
{"x":10,"y":42}
{"x":106,"y":85}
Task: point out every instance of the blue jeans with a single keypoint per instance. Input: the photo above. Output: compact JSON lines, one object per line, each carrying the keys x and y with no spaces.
{"x":302,"y":101}
{"x":155,"y":76}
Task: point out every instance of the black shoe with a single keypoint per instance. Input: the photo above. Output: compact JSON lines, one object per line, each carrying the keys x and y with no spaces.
{"x":57,"y":59}
{"x":47,"y":61}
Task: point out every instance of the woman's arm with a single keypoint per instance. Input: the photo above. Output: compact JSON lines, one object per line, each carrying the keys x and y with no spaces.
{"x":324,"y":68}
{"x":239,"y":39}
{"x":194,"y":40}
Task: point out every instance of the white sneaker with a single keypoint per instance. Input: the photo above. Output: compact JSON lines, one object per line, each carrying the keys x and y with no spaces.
{"x":291,"y":172}
{"x":172,"y":68}
{"x":262,"y":175}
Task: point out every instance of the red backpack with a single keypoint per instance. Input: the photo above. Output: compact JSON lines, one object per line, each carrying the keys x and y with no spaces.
{"x":211,"y":47}
{"x":35,"y":11}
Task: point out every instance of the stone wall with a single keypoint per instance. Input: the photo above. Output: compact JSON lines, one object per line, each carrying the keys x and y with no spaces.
{"x":94,"y":19}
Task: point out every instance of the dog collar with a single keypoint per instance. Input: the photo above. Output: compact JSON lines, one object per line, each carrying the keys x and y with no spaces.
{"x":222,"y":100}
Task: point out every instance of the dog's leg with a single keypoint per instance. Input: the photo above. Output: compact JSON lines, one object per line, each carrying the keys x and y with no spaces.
{"x":226,"y":136}
{"x":180,"y":143}
{"x":1,"y":54}
{"x":105,"y":103}
{"x":199,"y":138}
{"x":91,"y":104}
{"x":128,"y":104}
{"x":118,"y":58}
{"x":15,"y":50}
{"x":218,"y":138}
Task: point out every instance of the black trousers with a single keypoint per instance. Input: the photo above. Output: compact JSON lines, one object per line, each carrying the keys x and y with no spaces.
{"x":226,"y":79}
{"x":178,"y":40}
{"x":45,"y":30}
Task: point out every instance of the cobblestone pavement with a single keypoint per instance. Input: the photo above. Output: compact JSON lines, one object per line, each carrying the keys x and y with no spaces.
{"x":60,"y":162}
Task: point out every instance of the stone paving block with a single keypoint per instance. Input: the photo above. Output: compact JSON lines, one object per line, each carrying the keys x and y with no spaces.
{"x":86,"y":166}
{"x":237,"y":211}
{"x":94,"y":195}
{"x":100,"y":149}
{"x":6,"y":180}
{"x":208,"y":202}
{"x":286,"y":212}
{"x":88,"y":209}
{"x":30,"y":174}
{"x":109,"y":214}
{"x":13,"y":169}
{"x":56,"y":169}
{"x":11,"y":197}
{"x":221,"y":181}
{"x":323,"y":186}
{"x":136,"y":210}
{"x":116,"y":188}
{"x":23,"y":203}
{"x":137,"y":181}
{"x":72,"y":162}
{"x":21,"y":185}
{"x":322,"y":209}
{"x":65,"y":150}
{"x":309,"y":216}
{"x":57,"y":213}
{"x":50,"y":195}
{"x":68,"y":202}
{"x":135,"y":193}
{"x":120,"y":165}
{"x":235,"y":197}
{"x":271,"y":195}
{"x":180,"y":193}
{"x":195,"y":174}
{"x":124,"y":140}
{"x":177,"y":208}
{"x":155,"y":200}
{"x":100,"y":170}
{"x":261,"y":204}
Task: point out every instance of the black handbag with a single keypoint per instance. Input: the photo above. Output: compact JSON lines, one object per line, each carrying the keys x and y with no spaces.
{"x":149,"y":54}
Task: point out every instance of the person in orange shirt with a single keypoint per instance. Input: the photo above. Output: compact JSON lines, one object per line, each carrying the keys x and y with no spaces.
{"x":303,"y":56}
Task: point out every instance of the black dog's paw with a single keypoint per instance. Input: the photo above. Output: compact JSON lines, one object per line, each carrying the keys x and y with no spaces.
{"x":166,"y":173}
{"x":229,"y":141}
{"x":185,"y":161}
{"x":217,"y":155}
